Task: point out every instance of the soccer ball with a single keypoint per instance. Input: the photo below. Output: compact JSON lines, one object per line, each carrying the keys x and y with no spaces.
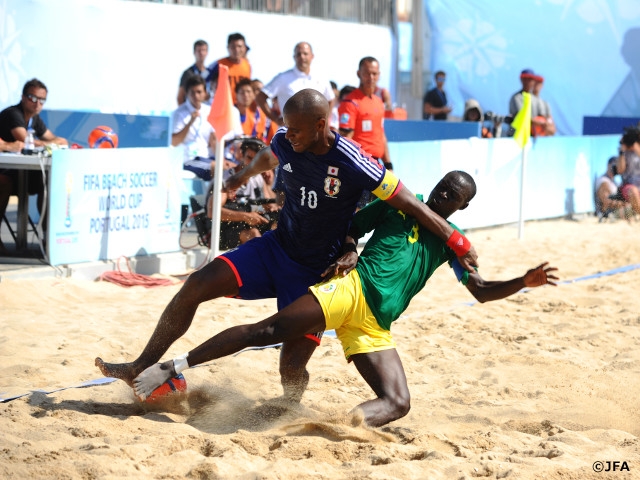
{"x":103,"y":137}
{"x":175,"y":384}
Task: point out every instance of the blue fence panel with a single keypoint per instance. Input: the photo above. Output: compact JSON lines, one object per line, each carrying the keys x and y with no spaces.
{"x":133,"y":130}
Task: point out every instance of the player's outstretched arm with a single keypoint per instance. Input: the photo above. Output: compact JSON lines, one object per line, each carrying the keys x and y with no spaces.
{"x":407,"y":202}
{"x":486,"y":291}
{"x":263,"y":161}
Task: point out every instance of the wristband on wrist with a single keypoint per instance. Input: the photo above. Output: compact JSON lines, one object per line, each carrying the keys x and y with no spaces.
{"x":458,"y":243}
{"x":180,"y":363}
{"x":388,"y":165}
{"x":349,"y":247}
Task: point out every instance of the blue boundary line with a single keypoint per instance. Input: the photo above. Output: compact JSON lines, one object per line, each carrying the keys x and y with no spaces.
{"x":329,"y":333}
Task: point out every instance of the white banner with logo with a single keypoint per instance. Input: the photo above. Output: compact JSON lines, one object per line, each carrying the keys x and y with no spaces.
{"x":106,"y":203}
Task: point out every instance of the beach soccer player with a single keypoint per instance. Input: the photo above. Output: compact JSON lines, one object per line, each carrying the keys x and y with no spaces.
{"x":324,"y":176}
{"x":394,"y":266}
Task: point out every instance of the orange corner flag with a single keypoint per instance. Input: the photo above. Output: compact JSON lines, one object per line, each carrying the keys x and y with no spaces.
{"x":221,"y":114}
{"x":522,"y":121}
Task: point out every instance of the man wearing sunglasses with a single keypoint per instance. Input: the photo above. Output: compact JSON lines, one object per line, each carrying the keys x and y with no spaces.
{"x":15,"y":121}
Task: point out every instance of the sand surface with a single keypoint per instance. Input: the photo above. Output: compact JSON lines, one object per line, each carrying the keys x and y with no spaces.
{"x":538,"y":386}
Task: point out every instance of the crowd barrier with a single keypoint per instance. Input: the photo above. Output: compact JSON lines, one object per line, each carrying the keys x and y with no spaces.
{"x":559,"y":174}
{"x":105,"y":203}
{"x":422,"y":130}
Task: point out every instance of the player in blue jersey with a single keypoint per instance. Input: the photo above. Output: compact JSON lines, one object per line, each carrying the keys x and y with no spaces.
{"x":324,"y":176}
{"x":361,"y":306}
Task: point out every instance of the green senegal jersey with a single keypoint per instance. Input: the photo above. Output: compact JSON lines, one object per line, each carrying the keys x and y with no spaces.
{"x":397,"y":260}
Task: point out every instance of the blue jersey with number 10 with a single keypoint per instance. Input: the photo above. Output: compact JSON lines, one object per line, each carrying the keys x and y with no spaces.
{"x":321,"y":193}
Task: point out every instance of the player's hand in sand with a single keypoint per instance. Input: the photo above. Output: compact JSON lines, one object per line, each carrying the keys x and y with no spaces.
{"x":541,"y":275}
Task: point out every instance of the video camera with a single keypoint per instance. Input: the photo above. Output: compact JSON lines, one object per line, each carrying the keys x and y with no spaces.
{"x":497,"y":119}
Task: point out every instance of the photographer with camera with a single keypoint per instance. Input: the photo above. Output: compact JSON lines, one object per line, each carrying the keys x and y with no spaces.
{"x":628,"y":166}
{"x":250,"y":210}
{"x":473,"y":113}
{"x":606,"y":196}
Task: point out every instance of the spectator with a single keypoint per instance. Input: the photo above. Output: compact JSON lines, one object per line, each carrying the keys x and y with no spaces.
{"x":605,"y":189}
{"x":543,"y":124}
{"x":16,"y":120}
{"x":14,"y":123}
{"x":253,"y":119}
{"x":285,"y":84}
{"x":257,"y":86}
{"x":240,"y":221}
{"x":473,"y":113}
{"x":192,"y":130}
{"x":528,"y":79}
{"x":271,"y":126}
{"x":200,"y":52}
{"x":362,"y":113}
{"x":435,"y":100}
{"x":239,"y":66}
{"x":628,"y":166}
{"x":344,"y":91}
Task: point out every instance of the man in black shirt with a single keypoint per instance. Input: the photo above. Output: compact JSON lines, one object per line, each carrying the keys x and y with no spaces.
{"x":435,"y":100}
{"x":200,"y":52}
{"x":15,"y":121}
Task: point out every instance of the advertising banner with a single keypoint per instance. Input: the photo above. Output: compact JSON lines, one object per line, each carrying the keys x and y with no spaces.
{"x":105,"y":203}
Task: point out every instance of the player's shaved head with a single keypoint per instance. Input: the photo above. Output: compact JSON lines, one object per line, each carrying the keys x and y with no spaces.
{"x":452,"y":193}
{"x":466,"y":180}
{"x":307,"y":101}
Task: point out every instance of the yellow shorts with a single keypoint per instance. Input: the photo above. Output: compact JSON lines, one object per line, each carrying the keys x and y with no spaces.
{"x":346,"y":310}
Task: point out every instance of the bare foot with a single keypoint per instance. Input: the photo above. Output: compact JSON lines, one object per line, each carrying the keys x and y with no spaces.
{"x":122,"y":371}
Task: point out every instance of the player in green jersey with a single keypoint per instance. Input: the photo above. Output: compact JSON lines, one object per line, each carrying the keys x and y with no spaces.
{"x":361,"y":303}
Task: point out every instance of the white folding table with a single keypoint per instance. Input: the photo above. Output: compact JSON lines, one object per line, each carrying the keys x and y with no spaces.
{"x":23,"y":163}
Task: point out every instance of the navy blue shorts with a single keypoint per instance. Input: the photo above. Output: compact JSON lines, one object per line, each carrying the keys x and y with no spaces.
{"x":264,"y":270}
{"x":200,"y":166}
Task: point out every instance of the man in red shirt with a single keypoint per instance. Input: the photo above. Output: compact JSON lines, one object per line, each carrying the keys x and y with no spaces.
{"x":361,"y":113}
{"x":237,"y":63}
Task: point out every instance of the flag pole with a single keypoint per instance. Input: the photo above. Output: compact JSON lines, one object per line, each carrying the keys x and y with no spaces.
{"x":523,"y":168}
{"x":222,"y":119}
{"x":522,"y":125}
{"x":216,"y":214}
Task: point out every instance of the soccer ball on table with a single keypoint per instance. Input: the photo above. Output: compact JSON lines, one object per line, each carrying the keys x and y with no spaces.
{"x":103,"y":137}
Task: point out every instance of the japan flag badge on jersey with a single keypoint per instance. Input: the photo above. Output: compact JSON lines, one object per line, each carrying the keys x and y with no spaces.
{"x":332,"y":171}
